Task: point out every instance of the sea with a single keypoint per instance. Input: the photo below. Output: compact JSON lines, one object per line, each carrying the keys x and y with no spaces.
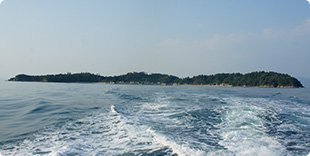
{"x":69,"y":119}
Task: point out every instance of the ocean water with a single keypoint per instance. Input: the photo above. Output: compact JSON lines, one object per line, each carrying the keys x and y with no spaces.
{"x":99,"y":119}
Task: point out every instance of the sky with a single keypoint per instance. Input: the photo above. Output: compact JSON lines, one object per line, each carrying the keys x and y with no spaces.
{"x":177,"y":37}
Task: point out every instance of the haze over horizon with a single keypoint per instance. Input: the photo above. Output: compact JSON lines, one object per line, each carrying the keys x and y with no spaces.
{"x":182,"y":38}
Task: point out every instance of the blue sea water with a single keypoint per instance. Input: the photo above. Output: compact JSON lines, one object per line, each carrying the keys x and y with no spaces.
{"x":100,"y":119}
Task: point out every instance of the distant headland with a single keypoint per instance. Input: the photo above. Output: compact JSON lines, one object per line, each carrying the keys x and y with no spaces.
{"x":253,"y":79}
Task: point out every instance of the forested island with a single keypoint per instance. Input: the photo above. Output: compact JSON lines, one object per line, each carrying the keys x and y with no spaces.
{"x":253,"y":79}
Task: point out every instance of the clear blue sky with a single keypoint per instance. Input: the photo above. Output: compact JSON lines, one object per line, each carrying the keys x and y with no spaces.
{"x":178,"y":37}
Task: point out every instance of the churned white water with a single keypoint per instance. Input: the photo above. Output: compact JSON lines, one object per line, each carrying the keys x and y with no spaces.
{"x":244,"y":128}
{"x":96,"y":119}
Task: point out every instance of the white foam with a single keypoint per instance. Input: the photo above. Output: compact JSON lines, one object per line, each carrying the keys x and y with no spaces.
{"x":103,"y":133}
{"x":181,"y":150}
{"x":113,"y":109}
{"x":148,"y":127}
{"x":243,"y":131}
{"x":106,"y":133}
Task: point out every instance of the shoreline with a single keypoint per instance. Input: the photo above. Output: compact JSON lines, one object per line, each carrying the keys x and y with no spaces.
{"x":155,"y":84}
{"x":199,"y":85}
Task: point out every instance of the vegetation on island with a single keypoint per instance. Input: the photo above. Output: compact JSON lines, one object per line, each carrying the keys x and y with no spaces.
{"x":253,"y":79}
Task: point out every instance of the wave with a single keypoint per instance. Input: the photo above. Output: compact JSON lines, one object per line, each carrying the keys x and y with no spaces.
{"x":243,"y":129}
{"x":181,"y":150}
{"x":168,"y":122}
{"x":258,"y":126}
{"x":103,"y":133}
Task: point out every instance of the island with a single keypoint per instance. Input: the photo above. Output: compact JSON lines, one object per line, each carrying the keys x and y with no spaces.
{"x":253,"y":79}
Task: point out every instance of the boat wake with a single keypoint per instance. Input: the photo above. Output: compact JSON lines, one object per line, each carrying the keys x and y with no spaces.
{"x":174,"y":122}
{"x":102,"y":133}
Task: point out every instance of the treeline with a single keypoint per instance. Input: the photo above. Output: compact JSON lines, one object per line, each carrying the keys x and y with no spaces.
{"x":255,"y":79}
{"x":78,"y":77}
